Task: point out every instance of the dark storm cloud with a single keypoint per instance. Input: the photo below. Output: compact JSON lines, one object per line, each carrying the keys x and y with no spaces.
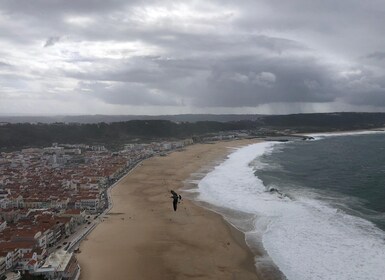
{"x":247,"y":81}
{"x":234,"y":82}
{"x":205,"y":54}
{"x":240,"y":81}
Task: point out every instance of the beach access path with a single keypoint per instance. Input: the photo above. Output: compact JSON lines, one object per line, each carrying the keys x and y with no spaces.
{"x":143,"y":238}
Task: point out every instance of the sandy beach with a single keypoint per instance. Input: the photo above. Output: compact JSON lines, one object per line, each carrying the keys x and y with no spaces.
{"x":143,"y":238}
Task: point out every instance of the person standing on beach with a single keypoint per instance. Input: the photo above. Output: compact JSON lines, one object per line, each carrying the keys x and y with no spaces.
{"x":175,"y":199}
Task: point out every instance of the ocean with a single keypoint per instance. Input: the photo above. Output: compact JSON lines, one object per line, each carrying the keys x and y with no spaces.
{"x":316,"y":209}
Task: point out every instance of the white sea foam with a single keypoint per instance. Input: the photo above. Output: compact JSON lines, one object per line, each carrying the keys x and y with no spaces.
{"x":305,"y":238}
{"x":345,"y":133}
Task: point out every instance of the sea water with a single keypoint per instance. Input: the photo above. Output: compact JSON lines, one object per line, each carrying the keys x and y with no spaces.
{"x":316,"y":208}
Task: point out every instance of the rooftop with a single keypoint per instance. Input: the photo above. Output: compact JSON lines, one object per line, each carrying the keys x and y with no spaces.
{"x":57,"y":260}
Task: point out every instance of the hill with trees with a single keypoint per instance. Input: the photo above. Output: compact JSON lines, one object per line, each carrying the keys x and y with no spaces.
{"x":19,"y":135}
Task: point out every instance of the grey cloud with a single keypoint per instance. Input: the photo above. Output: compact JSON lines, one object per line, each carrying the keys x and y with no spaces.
{"x":147,"y":70}
{"x":225,"y":43}
{"x":4,"y":64}
{"x":344,"y":28}
{"x":247,"y":81}
{"x":34,"y":20}
{"x":362,"y":87}
{"x":376,"y":55}
{"x":237,"y":81}
{"x":55,"y":7}
{"x":276,"y":44}
{"x":375,"y":98}
{"x":267,"y":52}
{"x":126,"y":94}
{"x":50,"y":17}
{"x":51,"y":41}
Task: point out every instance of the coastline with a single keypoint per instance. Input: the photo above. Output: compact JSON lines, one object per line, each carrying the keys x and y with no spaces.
{"x":143,"y":238}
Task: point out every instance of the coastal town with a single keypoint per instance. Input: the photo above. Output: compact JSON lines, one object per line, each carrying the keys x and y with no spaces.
{"x":52,"y":197}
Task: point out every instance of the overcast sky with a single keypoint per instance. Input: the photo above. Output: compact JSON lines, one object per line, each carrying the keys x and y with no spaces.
{"x":171,"y":57}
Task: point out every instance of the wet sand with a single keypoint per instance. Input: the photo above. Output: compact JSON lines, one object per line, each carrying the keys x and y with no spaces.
{"x":143,"y":238}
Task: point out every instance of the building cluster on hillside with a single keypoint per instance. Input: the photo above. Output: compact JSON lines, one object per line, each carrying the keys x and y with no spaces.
{"x":46,"y":193}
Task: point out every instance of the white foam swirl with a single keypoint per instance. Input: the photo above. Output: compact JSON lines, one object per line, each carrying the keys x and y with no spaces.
{"x":306,"y":239}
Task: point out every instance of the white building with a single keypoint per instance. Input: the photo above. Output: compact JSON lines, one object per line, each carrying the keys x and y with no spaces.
{"x":60,"y":265}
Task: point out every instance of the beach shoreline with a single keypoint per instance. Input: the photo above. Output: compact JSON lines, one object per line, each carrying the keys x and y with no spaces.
{"x":143,"y":238}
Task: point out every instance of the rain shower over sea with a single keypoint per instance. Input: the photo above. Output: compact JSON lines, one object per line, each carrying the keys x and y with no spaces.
{"x":315,"y":208}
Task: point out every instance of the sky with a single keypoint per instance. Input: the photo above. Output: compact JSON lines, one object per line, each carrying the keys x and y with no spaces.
{"x":61,"y":57}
